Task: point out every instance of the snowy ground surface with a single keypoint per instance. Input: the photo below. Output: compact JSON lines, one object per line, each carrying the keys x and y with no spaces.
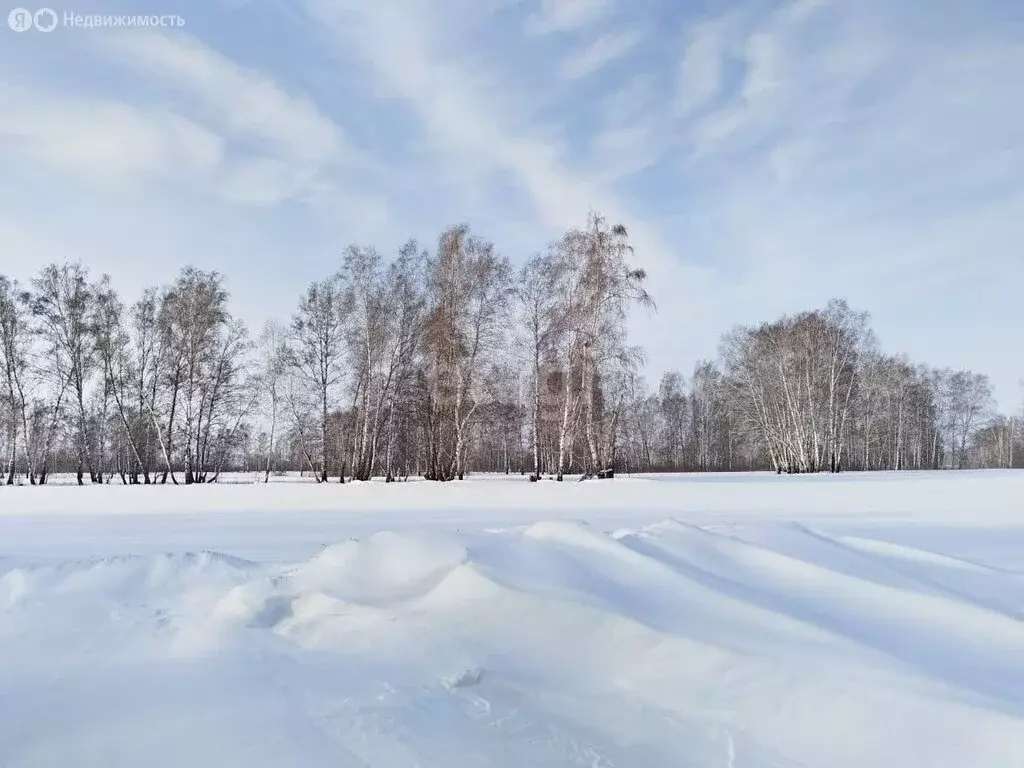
{"x":701,"y":620}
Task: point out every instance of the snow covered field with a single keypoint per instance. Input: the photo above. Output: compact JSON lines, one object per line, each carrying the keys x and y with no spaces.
{"x":701,"y":620}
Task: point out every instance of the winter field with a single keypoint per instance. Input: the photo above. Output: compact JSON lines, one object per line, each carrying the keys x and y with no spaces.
{"x":673,"y":620}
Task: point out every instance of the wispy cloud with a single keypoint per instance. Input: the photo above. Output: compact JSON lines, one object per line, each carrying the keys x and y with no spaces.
{"x":600,"y":52}
{"x":223,"y":129}
{"x":702,"y":64}
{"x":762,"y":49}
{"x":468,"y":114}
{"x":241,"y":101}
{"x":283,"y":146}
{"x":105,"y":140}
{"x":567,"y":15}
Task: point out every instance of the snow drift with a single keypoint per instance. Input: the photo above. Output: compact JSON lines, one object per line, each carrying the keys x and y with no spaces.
{"x":553,"y":643}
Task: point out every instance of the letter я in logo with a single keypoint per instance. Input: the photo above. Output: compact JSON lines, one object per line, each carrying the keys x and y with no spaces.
{"x":20,"y":20}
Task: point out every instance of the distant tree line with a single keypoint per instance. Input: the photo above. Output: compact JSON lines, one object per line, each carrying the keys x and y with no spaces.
{"x":813,"y":392}
{"x":446,"y":361}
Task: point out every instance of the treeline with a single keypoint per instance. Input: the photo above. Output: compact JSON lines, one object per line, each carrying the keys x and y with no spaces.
{"x":444,"y":361}
{"x":812,"y":393}
{"x":416,"y":365}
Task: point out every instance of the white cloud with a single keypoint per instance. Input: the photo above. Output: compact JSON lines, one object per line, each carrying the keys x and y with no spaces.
{"x":120,"y":144}
{"x":700,"y":71}
{"x":633,"y":133}
{"x":107,"y":140}
{"x":567,"y":15}
{"x":599,"y":53}
{"x":637,"y":98}
{"x":264,"y":181}
{"x":765,"y":65}
{"x":745,"y":115}
{"x":281,"y":145}
{"x":228,"y":131}
{"x":242,"y":101}
{"x":466,"y":114}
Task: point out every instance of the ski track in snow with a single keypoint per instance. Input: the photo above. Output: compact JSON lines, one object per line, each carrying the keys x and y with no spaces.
{"x":647,"y":622}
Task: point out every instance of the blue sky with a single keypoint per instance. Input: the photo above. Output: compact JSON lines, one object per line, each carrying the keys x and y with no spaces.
{"x":765,"y":156}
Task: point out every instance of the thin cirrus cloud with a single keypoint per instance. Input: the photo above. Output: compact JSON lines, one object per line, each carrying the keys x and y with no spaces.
{"x":227,"y":130}
{"x":240,"y":100}
{"x":287,"y":147}
{"x":567,"y":15}
{"x":599,"y":53}
{"x":106,"y":140}
{"x":765,"y":156}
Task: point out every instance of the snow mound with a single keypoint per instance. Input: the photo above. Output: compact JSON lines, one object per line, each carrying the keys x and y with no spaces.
{"x":901,"y":552}
{"x":464,"y":678}
{"x":388,"y":567}
{"x":124,"y":575}
{"x":14,"y":585}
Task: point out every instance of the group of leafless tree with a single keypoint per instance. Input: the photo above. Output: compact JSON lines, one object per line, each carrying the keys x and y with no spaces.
{"x":813,"y":392}
{"x":438,"y":363}
{"x":97,"y":388}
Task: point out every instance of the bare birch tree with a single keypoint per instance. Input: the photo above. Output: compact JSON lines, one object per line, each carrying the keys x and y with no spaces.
{"x":273,"y":361}
{"x":540,"y":320}
{"x":317,"y":354}
{"x":15,"y":348}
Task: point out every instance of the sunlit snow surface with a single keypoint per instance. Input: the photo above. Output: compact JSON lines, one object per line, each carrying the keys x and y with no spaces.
{"x":746,"y":620}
